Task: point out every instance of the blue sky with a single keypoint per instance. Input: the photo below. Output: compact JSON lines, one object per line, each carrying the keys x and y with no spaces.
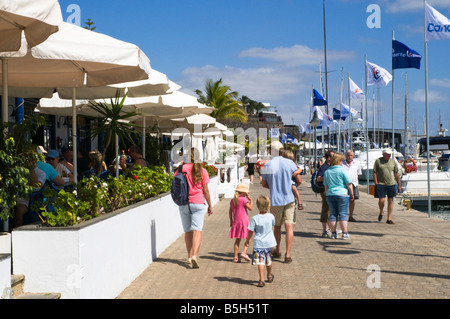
{"x":270,"y":50}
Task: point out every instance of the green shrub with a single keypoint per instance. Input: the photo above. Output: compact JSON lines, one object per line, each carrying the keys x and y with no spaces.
{"x":93,"y":196}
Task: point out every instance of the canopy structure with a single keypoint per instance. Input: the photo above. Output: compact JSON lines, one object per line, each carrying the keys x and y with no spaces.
{"x":176,"y":104}
{"x":72,"y":58}
{"x":75,"y":57}
{"x":24,"y":24}
{"x":37,"y":20}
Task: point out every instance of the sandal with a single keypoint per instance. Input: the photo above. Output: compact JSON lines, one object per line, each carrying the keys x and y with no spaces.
{"x":261,"y":283}
{"x":276,"y":255}
{"x":235,"y":259}
{"x":300,"y":207}
{"x":380,"y":217}
{"x":246,"y":257}
{"x":270,"y":280}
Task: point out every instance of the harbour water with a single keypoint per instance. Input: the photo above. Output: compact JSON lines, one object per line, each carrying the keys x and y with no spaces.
{"x":440,"y":210}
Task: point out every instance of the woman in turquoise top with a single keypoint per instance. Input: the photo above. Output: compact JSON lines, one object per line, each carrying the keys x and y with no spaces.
{"x":337,"y":187}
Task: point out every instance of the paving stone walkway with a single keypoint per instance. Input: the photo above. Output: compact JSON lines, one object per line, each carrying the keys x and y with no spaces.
{"x":408,"y":260}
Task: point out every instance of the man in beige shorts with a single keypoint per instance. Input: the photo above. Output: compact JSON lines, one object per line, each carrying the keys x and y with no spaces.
{"x":277,"y":176}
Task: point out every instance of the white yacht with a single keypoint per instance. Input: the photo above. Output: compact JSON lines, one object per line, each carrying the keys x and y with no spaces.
{"x":374,"y":154}
{"x":415,"y":183}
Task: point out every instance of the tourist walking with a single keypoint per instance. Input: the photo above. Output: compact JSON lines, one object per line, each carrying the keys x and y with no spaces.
{"x":290,"y":155}
{"x":192,"y":214}
{"x":239,"y":221}
{"x":354,"y":171}
{"x":276,"y":176}
{"x":325,"y":209}
{"x":261,"y":226}
{"x":385,"y":177}
{"x":338,"y":186}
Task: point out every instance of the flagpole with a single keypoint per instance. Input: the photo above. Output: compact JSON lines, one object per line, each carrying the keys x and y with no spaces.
{"x":326,"y":70}
{"x":426,"y":112}
{"x":367,"y":132}
{"x":340,"y":110}
{"x":393,"y":88}
{"x":350,"y":119}
{"x":406,"y":114}
{"x":309,"y":126}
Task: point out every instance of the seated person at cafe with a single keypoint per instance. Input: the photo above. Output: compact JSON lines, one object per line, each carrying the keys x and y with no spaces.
{"x":112,"y":167}
{"x":96,"y":164}
{"x":136,"y":154}
{"x":67,"y":159}
{"x":50,"y":173}
{"x":37,"y":180}
{"x":52,"y":158}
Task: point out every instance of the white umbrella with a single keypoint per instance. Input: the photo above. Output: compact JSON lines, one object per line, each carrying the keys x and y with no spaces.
{"x":36,"y":19}
{"x":157,"y":107}
{"x":211,"y":150}
{"x":75,"y":57}
{"x":24,"y":24}
{"x":156,"y":84}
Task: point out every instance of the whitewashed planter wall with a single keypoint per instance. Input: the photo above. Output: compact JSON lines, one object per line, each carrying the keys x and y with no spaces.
{"x":101,"y":257}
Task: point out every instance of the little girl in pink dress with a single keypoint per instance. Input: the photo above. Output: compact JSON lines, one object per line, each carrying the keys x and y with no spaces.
{"x":239,"y":220}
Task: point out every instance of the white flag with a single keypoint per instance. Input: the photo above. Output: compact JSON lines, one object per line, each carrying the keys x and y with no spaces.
{"x":355,"y":91}
{"x":376,"y":75}
{"x":346,"y":110}
{"x":437,"y":26}
{"x":325,"y":119}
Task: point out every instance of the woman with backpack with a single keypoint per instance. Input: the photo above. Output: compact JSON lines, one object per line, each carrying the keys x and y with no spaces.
{"x":192,"y":214}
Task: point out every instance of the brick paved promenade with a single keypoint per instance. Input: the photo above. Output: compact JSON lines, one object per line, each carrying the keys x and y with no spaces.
{"x":413,"y":257}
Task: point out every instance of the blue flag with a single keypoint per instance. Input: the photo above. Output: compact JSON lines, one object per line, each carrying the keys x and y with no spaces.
{"x":318,"y":99}
{"x":404,"y":57}
{"x":337,"y":114}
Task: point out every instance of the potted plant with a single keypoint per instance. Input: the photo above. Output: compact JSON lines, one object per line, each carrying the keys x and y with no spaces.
{"x":17,"y":153}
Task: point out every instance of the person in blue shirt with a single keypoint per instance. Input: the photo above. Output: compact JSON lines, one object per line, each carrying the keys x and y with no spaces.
{"x":338,"y":186}
{"x":277,"y":175}
{"x":50,"y":173}
{"x":261,"y":226}
{"x":325,"y":209}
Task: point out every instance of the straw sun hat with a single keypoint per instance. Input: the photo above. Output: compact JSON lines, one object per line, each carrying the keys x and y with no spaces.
{"x":242,"y":187}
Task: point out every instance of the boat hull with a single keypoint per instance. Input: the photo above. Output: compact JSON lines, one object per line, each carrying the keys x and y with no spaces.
{"x":415,"y":186}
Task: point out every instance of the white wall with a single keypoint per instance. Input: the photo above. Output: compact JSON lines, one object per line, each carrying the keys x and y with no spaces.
{"x":5,"y":275}
{"x":101,"y":257}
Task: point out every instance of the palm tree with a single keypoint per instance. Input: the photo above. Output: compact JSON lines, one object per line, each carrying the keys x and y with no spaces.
{"x":251,"y":106}
{"x":225,"y":102}
{"x":113,"y":120}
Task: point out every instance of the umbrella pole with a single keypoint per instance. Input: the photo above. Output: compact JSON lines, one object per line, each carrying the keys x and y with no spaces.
{"x":5,"y":90}
{"x":74,"y":136}
{"x":117,"y":155}
{"x":144,"y":138}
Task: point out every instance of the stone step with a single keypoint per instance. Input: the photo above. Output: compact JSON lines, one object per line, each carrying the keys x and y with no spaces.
{"x":17,"y":282}
{"x":39,"y":296}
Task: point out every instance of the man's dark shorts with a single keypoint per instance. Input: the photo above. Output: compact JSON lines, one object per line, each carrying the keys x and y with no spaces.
{"x":382,"y":190}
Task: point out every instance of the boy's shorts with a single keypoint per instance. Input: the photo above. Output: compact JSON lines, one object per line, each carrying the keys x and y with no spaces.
{"x":261,"y":256}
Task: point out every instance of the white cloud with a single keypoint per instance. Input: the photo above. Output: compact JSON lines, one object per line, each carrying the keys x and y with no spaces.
{"x":443,"y":83}
{"x":297,"y":55}
{"x":433,"y":96}
{"x":399,"y":6}
{"x":284,"y":81}
{"x":264,"y":84}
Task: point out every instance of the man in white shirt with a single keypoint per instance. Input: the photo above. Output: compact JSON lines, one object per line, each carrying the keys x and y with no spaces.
{"x":354,"y":170}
